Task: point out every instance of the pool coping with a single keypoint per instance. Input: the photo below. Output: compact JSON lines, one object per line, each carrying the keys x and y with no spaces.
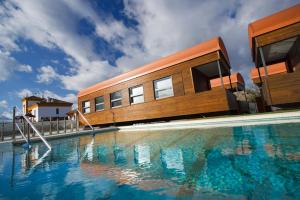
{"x":259,"y":119}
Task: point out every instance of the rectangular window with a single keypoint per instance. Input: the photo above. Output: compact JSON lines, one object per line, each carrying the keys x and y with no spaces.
{"x":99,"y":103}
{"x":86,"y":107}
{"x":163,"y":88}
{"x":57,"y":111}
{"x":136,"y":94}
{"x":116,"y":99}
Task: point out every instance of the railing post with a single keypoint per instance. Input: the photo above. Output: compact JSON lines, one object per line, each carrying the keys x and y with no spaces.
{"x":65,"y":125}
{"x":50,"y":128}
{"x":71,"y":120}
{"x":2,"y":131}
{"x":28,"y":133}
{"x":42,"y":124}
{"x":14,"y":125}
{"x":77,"y":123}
{"x":57,"y":125}
{"x":33,"y":133}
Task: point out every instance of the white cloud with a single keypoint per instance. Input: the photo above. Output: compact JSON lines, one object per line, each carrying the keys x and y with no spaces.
{"x":46,"y":74}
{"x":3,"y":104}
{"x":8,"y":65}
{"x":163,"y":27}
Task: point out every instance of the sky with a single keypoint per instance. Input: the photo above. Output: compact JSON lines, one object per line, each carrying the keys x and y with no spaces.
{"x":56,"y":48}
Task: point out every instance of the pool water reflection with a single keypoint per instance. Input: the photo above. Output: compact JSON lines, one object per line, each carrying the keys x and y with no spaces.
{"x":255,"y":162}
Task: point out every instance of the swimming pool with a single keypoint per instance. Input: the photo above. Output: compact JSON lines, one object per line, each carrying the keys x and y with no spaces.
{"x":254,"y":162}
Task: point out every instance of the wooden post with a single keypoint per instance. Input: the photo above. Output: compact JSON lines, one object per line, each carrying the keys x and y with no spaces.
{"x":28,"y":133}
{"x":71,"y":120}
{"x":33,"y":132}
{"x":2,"y":131}
{"x":50,"y":128}
{"x":42,"y":124}
{"x":57,"y":125}
{"x":65,"y":125}
{"x":14,"y":123}
{"x":77,"y":122}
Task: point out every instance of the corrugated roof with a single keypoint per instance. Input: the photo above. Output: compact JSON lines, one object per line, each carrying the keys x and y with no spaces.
{"x":201,"y":49}
{"x":273,"y":22}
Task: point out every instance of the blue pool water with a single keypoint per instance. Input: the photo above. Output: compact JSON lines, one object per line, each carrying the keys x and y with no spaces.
{"x":255,"y":162}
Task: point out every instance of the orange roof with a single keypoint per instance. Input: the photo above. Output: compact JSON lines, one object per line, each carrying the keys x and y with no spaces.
{"x":276,"y":21}
{"x":235,"y":78}
{"x":272,"y":69}
{"x":201,"y":49}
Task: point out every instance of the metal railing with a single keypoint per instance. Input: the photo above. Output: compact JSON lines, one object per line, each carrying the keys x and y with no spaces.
{"x":18,"y":127}
{"x":83,"y":117}
{"x":35,"y":130}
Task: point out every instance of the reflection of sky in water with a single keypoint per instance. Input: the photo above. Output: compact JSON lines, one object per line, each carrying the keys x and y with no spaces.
{"x":234,"y":163}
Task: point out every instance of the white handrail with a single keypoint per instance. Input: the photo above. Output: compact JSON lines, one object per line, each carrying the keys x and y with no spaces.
{"x":36,"y":131}
{"x":85,"y":120}
{"x":21,"y":132}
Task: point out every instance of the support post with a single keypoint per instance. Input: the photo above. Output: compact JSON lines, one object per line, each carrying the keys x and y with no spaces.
{"x":220,"y":73}
{"x":50,"y":128}
{"x":14,"y":123}
{"x":266,"y":73}
{"x":65,"y":125}
{"x":57,"y":125}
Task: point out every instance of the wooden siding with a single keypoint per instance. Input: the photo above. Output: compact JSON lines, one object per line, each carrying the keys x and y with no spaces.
{"x":184,"y":101}
{"x":283,"y":88}
{"x":278,"y":35}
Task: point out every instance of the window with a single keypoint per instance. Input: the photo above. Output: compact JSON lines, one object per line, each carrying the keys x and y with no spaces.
{"x":57,"y":111}
{"x":99,"y":103}
{"x":163,"y":88}
{"x":86,"y":107}
{"x":136,"y":94}
{"x":116,"y":99}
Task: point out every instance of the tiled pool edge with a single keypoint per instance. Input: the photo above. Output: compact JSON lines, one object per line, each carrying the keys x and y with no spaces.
{"x":261,"y":119}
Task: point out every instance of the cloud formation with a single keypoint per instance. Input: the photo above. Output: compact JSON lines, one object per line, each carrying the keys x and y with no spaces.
{"x":163,"y":27}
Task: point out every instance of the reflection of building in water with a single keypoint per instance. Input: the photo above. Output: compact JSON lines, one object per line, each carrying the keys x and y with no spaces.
{"x":142,"y":155}
{"x":120,"y":155}
{"x":102,"y":154}
{"x":30,"y":157}
{"x":172,"y":159}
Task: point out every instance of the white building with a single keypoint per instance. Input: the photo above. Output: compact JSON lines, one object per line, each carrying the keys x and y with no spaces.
{"x":44,"y":109}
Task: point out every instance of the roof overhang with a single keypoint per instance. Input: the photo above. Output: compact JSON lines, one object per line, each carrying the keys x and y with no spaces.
{"x":213,"y":45}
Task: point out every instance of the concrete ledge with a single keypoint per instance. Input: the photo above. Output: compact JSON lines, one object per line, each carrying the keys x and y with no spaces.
{"x":260,"y":119}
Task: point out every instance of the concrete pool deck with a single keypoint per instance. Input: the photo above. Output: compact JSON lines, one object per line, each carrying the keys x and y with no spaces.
{"x":227,"y":121}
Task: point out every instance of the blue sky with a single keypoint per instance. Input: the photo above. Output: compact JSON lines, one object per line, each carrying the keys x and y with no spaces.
{"x":55,"y":48}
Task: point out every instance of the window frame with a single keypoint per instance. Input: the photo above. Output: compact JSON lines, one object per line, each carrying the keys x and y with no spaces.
{"x":57,"y":111}
{"x":163,"y":89}
{"x":114,"y":100}
{"x":83,"y":108}
{"x":131,"y":96}
{"x":96,"y":104}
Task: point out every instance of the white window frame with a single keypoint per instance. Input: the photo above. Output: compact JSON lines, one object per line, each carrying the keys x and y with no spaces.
{"x":131,"y":96}
{"x":84,"y":108}
{"x":162,"y":89}
{"x":114,"y":100}
{"x":97,"y":104}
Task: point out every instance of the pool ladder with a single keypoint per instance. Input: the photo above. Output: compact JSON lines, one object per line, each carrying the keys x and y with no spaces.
{"x":35,"y":130}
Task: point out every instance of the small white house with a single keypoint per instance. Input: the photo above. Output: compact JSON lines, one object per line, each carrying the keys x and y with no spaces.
{"x":44,"y":109}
